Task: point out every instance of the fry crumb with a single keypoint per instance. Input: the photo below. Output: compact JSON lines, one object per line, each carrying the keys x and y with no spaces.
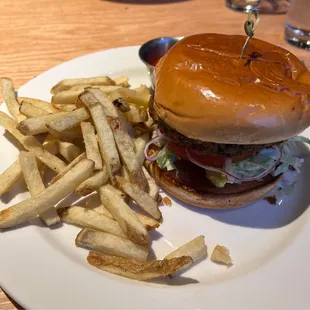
{"x":221,"y":255}
{"x":167,"y":202}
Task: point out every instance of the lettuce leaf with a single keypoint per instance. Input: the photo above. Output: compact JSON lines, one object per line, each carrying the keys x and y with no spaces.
{"x":166,"y":160}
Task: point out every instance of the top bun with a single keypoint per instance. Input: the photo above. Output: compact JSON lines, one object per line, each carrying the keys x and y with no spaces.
{"x":206,"y":92}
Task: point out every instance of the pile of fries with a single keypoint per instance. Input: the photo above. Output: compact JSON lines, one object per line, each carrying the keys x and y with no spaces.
{"x":94,"y":133}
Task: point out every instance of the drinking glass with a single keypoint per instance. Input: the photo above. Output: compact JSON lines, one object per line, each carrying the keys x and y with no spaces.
{"x":297,"y":27}
{"x":243,"y":5}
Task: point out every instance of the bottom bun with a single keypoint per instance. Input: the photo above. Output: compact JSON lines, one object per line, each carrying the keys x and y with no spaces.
{"x":211,"y":200}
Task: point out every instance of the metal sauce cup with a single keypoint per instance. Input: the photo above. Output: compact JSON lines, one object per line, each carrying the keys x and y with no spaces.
{"x":151,"y":51}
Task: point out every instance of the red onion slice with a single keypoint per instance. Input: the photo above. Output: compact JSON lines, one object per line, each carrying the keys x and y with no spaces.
{"x":153,"y":141}
{"x":230,"y":175}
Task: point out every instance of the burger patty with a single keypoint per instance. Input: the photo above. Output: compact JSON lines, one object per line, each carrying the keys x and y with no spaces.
{"x":209,"y":148}
{"x":193,"y":178}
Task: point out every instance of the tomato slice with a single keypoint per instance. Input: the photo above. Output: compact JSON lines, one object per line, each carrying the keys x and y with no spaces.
{"x":208,"y":160}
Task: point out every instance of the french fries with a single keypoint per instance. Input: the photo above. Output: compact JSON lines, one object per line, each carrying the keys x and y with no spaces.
{"x":37,"y":125}
{"x":91,"y":144}
{"x":148,"y":222}
{"x":104,"y":211}
{"x":9,"y":177}
{"x":31,"y":144}
{"x":68,"y":150}
{"x":66,"y":169}
{"x":126,"y":218}
{"x":196,"y":249}
{"x":143,"y":200}
{"x":88,"y":218}
{"x":105,"y":136}
{"x":10,"y":99}
{"x":69,"y":83}
{"x":100,"y":127}
{"x":30,"y":110}
{"x":33,"y":206}
{"x":67,"y":120}
{"x":99,"y":178}
{"x":71,"y":96}
{"x":137,"y":269}
{"x":41,"y":104}
{"x":35,"y":185}
{"x":110,"y":244}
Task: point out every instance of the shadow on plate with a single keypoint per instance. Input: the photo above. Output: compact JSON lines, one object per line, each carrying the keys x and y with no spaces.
{"x":263,"y":215}
{"x":174,"y":281}
{"x":146,"y":1}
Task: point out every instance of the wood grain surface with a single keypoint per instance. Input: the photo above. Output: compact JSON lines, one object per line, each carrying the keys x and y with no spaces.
{"x":36,"y":35}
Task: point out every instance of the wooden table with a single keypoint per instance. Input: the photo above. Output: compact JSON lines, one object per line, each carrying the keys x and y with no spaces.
{"x":39,"y":34}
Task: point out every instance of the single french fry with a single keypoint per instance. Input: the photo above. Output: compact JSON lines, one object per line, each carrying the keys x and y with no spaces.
{"x":65,"y":107}
{"x":37,"y":125}
{"x":140,"y":144}
{"x":9,"y":177}
{"x":126,"y":218}
{"x":196,"y":249}
{"x":71,"y":96}
{"x":66,"y":169}
{"x":30,"y":110}
{"x":67,"y":120}
{"x":153,"y":188}
{"x":106,"y":141}
{"x":69,"y":83}
{"x":110,"y":244}
{"x":91,"y":144}
{"x":136,"y":115}
{"x":128,"y":156}
{"x":137,"y":269}
{"x":88,"y":218}
{"x":131,"y":96}
{"x":143,"y":200}
{"x":68,"y":150}
{"x":10,"y":99}
{"x":122,"y":81}
{"x":69,"y":135}
{"x":148,"y":222}
{"x":31,"y":144}
{"x":35,"y":185}
{"x":221,"y":255}
{"x":33,"y":206}
{"x":143,"y":89}
{"x":99,"y":178}
{"x":39,"y":104}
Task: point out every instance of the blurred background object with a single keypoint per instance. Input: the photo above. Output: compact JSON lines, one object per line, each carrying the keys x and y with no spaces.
{"x":243,"y":5}
{"x":297,"y":27}
{"x":264,"y":6}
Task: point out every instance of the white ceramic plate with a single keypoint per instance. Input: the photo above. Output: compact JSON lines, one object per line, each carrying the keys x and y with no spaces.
{"x":41,"y":268}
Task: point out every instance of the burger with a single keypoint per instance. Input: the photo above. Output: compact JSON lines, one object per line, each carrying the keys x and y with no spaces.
{"x":226,"y":125}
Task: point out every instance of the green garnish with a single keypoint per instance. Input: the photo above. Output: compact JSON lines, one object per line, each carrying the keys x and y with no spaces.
{"x":249,"y":27}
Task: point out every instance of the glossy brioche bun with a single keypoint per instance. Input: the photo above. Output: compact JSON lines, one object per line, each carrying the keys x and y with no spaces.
{"x":209,"y":200}
{"x":206,"y":92}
